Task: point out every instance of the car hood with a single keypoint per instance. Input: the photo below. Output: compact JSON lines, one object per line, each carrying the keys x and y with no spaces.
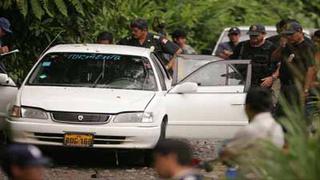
{"x":83,"y":99}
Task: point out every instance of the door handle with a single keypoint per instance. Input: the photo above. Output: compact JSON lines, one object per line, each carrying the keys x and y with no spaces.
{"x":237,"y":104}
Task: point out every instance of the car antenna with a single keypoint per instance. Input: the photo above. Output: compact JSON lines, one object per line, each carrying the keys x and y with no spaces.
{"x":10,"y":52}
{"x":54,"y":39}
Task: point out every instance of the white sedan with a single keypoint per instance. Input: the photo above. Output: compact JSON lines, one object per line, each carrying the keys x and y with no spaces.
{"x":110,"y":96}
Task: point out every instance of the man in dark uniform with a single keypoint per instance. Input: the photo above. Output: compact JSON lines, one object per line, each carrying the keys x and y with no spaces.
{"x":4,"y":47}
{"x":142,"y":38}
{"x":105,"y":38}
{"x":297,"y":71}
{"x":225,"y":49}
{"x":259,"y":51}
{"x":278,"y":39}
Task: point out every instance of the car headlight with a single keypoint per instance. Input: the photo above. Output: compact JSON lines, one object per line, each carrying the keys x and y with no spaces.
{"x":24,"y":112}
{"x":143,"y":117}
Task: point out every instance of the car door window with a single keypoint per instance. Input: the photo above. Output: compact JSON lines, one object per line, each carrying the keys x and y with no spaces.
{"x":161,"y":65}
{"x":216,"y":74}
{"x":160,"y":73}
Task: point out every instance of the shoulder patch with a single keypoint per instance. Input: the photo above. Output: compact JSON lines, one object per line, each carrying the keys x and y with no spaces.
{"x":164,"y":41}
{"x":156,"y":37}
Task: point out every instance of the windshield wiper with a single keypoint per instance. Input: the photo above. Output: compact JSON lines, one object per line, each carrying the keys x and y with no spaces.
{"x":101,"y":75}
{"x":98,"y":79}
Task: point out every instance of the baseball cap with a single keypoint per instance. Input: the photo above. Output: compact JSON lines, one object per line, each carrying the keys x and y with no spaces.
{"x":22,"y":155}
{"x":5,"y":24}
{"x":291,"y":27}
{"x":256,"y":29}
{"x":317,"y":34}
{"x":178,"y":33}
{"x":234,"y":30}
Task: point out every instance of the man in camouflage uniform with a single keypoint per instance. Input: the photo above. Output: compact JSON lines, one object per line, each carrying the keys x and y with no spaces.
{"x":180,"y":38}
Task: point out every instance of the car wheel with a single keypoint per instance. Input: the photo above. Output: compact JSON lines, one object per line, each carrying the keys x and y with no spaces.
{"x":163,"y":129}
{"x":148,"y":153}
{"x":148,"y":157}
{"x":4,"y":139}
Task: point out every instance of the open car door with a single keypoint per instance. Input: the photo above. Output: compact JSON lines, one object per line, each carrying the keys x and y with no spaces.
{"x":208,"y":98}
{"x":8,"y":90}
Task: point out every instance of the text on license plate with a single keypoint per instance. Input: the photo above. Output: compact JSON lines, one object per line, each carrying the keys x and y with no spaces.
{"x":78,"y":140}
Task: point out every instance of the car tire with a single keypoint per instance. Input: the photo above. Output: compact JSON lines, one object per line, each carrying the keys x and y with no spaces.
{"x":163,"y":130}
{"x":148,"y":153}
{"x":4,"y":139}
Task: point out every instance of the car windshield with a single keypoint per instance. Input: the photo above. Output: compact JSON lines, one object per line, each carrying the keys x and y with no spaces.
{"x":94,"y":70}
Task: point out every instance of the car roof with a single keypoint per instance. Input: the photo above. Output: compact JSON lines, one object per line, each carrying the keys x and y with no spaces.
{"x":246,"y":28}
{"x":268,"y":28}
{"x":101,"y":48}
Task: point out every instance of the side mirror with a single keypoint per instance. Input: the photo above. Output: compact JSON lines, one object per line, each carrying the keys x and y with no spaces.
{"x":188,"y":87}
{"x":5,"y":80}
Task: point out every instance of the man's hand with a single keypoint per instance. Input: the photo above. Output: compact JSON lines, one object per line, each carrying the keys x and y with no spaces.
{"x":4,"y":49}
{"x":172,"y":62}
{"x":267,"y":82}
{"x":283,"y":42}
{"x":227,"y":52}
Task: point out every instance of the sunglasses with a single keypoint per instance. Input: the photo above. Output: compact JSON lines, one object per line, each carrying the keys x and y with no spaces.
{"x":289,"y":34}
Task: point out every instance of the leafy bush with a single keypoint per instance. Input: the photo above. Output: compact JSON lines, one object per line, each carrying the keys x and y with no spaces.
{"x":37,"y":22}
{"x":300,"y":161}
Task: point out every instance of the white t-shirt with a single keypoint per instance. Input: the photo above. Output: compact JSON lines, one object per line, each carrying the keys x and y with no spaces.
{"x":263,"y":126}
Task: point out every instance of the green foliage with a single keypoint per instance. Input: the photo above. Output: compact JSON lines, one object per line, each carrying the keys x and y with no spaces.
{"x":40,"y":8}
{"x":36,"y":8}
{"x":23,"y":6}
{"x":299,"y":162}
{"x":37,"y":22}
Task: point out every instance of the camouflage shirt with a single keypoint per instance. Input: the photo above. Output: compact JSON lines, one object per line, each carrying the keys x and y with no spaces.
{"x":187,"y":49}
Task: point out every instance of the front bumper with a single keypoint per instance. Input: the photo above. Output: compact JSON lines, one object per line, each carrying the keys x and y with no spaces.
{"x":105,"y":136}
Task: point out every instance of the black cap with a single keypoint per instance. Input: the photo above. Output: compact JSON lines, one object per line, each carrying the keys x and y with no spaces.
{"x":178,"y":33}
{"x":291,"y":27}
{"x":234,"y":30}
{"x":22,"y":155}
{"x":140,"y":24}
{"x":105,"y":36}
{"x":317,"y":34}
{"x":256,"y":29}
{"x":5,"y":24}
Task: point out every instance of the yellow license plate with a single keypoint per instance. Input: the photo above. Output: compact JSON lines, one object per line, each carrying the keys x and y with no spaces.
{"x":78,"y":140}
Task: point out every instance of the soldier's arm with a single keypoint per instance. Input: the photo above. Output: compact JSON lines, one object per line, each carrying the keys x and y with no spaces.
{"x":311,"y":72}
{"x":172,"y":61}
{"x":171,"y":48}
{"x":310,"y":78}
{"x":277,"y":54}
{"x":220,"y":51}
{"x":236,"y":51}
